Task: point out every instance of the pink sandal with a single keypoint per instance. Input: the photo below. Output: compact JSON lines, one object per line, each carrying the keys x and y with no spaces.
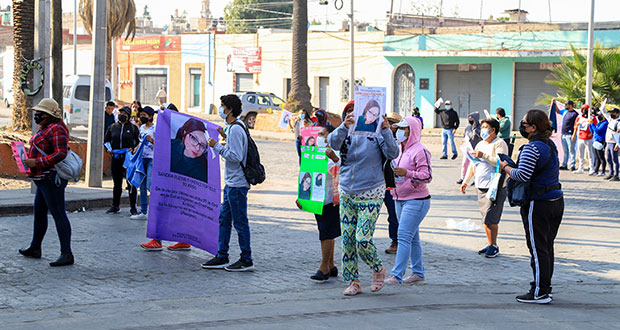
{"x":378,"y":279}
{"x":354,"y":288}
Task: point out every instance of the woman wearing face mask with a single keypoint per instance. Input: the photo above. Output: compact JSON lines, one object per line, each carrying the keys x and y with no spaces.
{"x":147,"y":135}
{"x":303,"y":120}
{"x":328,"y":222}
{"x":188,"y":151}
{"x":539,"y":165}
{"x":412,"y":199}
{"x":120,"y":137}
{"x":611,"y":149}
{"x":487,"y":152}
{"x":598,"y":144}
{"x":48,"y":147}
{"x":367,"y":122}
{"x":362,"y":189}
{"x":471,"y":139}
{"x":584,"y":140}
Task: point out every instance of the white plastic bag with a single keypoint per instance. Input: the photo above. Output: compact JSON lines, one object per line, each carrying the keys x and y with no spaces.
{"x":464,"y":225}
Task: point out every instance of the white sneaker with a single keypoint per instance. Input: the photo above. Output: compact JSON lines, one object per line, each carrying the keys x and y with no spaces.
{"x":578,"y":171}
{"x":140,"y":216}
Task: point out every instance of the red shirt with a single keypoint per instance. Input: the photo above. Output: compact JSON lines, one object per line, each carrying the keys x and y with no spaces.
{"x":583,"y":127}
{"x":53,"y":140}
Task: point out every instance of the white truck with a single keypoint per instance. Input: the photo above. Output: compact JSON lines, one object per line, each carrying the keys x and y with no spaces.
{"x":76,"y":99}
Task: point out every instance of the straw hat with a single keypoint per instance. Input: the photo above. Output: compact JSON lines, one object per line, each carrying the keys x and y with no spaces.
{"x":50,"y":107}
{"x":394,"y":118}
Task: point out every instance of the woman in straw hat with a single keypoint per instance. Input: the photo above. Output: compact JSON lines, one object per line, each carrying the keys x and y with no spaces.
{"x":48,"y":147}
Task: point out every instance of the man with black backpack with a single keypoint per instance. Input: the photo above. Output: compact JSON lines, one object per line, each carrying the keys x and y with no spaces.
{"x":234,"y":210}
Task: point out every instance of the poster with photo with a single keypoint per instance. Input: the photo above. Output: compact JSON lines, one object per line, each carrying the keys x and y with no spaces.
{"x":20,"y":155}
{"x":311,"y":182}
{"x":285,"y":118}
{"x":185,"y":187}
{"x":368,"y":111}
{"x":309,"y":136}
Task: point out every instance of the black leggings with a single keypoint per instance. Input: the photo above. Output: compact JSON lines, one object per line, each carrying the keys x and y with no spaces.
{"x":600,"y":159}
{"x":118,"y":176}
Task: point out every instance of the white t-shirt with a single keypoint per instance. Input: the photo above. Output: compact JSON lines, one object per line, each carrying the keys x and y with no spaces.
{"x":147,"y":152}
{"x":484,"y":169}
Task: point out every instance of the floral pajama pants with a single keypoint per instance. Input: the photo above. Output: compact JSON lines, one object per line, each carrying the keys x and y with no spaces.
{"x":358,"y":217}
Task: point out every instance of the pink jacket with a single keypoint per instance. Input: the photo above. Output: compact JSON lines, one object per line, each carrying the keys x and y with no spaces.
{"x":416,"y":159}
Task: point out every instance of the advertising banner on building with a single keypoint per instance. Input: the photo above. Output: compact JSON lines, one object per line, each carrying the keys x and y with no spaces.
{"x":369,"y":110}
{"x":151,"y":44}
{"x":185,"y":187}
{"x":244,"y":60}
{"x":312,"y":179}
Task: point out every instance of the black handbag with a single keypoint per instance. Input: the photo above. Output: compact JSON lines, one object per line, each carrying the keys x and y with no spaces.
{"x":388,"y":172}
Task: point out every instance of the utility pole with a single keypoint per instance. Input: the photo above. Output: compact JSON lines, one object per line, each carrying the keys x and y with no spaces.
{"x":57,"y":51}
{"x":352,"y":28}
{"x":94,"y":157}
{"x":590,"y":53}
{"x":75,"y":13}
{"x":41,"y":52}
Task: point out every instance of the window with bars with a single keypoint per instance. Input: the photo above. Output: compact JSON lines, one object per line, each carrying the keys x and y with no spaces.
{"x":344,"y":88}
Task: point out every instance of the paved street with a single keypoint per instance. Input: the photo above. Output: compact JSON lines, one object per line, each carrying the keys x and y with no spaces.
{"x":115,"y":284}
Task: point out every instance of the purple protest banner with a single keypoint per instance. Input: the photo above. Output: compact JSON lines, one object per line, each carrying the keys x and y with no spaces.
{"x":185,"y":187}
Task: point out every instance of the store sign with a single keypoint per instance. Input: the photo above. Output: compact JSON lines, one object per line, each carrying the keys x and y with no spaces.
{"x":152,"y":44}
{"x":244,"y":60}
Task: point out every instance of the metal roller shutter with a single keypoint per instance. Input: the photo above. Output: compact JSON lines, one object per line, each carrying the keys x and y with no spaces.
{"x":245,"y":82}
{"x":148,"y":82}
{"x":468,"y":86}
{"x":529,"y":85}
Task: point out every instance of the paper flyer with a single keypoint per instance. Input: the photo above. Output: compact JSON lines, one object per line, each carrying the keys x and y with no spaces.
{"x":20,"y":155}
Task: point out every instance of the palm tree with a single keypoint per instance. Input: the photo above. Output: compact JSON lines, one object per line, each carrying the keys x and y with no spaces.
{"x":570,"y":77}
{"x":23,"y":34}
{"x":300,"y":91}
{"x":121,"y":18}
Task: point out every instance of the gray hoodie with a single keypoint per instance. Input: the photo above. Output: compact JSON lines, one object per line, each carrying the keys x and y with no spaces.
{"x":234,"y":153}
{"x":473,"y":133}
{"x":361,"y":169}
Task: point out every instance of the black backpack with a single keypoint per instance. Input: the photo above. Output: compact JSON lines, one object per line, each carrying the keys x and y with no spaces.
{"x":253,"y":169}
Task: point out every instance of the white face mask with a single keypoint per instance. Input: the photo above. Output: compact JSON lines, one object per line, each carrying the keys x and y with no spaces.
{"x":400,"y":136}
{"x":321,"y":142}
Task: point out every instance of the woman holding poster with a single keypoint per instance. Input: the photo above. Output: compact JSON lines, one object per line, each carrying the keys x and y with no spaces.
{"x":361,"y":196}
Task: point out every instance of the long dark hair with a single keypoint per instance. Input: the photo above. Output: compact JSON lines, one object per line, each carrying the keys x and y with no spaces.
{"x":541,"y":120}
{"x":371,"y":104}
{"x":306,"y":176}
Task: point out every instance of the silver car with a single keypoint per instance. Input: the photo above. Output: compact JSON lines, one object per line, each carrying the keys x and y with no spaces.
{"x":253,"y":103}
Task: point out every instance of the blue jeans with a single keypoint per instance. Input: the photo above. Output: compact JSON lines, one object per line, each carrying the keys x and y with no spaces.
{"x":410,"y":215}
{"x":392,"y":218}
{"x":569,"y":146}
{"x":234,"y":211}
{"x":50,"y":197}
{"x":445,"y":135}
{"x":145,"y":186}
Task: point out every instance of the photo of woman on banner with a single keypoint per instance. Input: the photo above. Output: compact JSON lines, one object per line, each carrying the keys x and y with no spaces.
{"x":311,"y":141}
{"x":304,"y":185}
{"x":188,"y":150}
{"x":368,"y":120}
{"x":318,"y":180}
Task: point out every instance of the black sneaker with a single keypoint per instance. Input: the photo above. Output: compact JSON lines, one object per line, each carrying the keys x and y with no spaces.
{"x":492,"y":251}
{"x":609,"y":177}
{"x":563,"y":168}
{"x":319,"y":276}
{"x":483,"y":251}
{"x":113,"y":210}
{"x":240,"y":266}
{"x":134,"y":212}
{"x":333,"y":272}
{"x":529,"y":298}
{"x":615,"y":178}
{"x":459,"y":181}
{"x":573,"y":168}
{"x":443,"y":157}
{"x":454,"y":156}
{"x":216,"y":263}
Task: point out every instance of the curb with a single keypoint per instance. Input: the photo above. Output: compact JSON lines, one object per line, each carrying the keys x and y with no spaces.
{"x":70,"y":205}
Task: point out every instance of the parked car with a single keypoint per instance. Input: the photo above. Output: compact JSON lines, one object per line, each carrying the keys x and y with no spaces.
{"x":253,"y":103}
{"x":76,"y":99}
{"x":8,"y":97}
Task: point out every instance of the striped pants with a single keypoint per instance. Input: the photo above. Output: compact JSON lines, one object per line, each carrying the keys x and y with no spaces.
{"x":358,"y":217}
{"x":541,"y":221}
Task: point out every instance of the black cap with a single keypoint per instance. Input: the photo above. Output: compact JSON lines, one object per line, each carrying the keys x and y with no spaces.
{"x":127,"y":110}
{"x":172,"y":107}
{"x":616,"y":110}
{"x":149,"y":111}
{"x":570,"y":102}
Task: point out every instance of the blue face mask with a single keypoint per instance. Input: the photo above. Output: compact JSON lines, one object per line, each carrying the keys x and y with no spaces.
{"x":448,"y":107}
{"x":222,"y":114}
{"x":484,"y":133}
{"x":302,"y":116}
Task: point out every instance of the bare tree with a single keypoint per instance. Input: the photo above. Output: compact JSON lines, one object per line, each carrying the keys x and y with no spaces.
{"x":23,"y":35}
{"x":300,"y":91}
